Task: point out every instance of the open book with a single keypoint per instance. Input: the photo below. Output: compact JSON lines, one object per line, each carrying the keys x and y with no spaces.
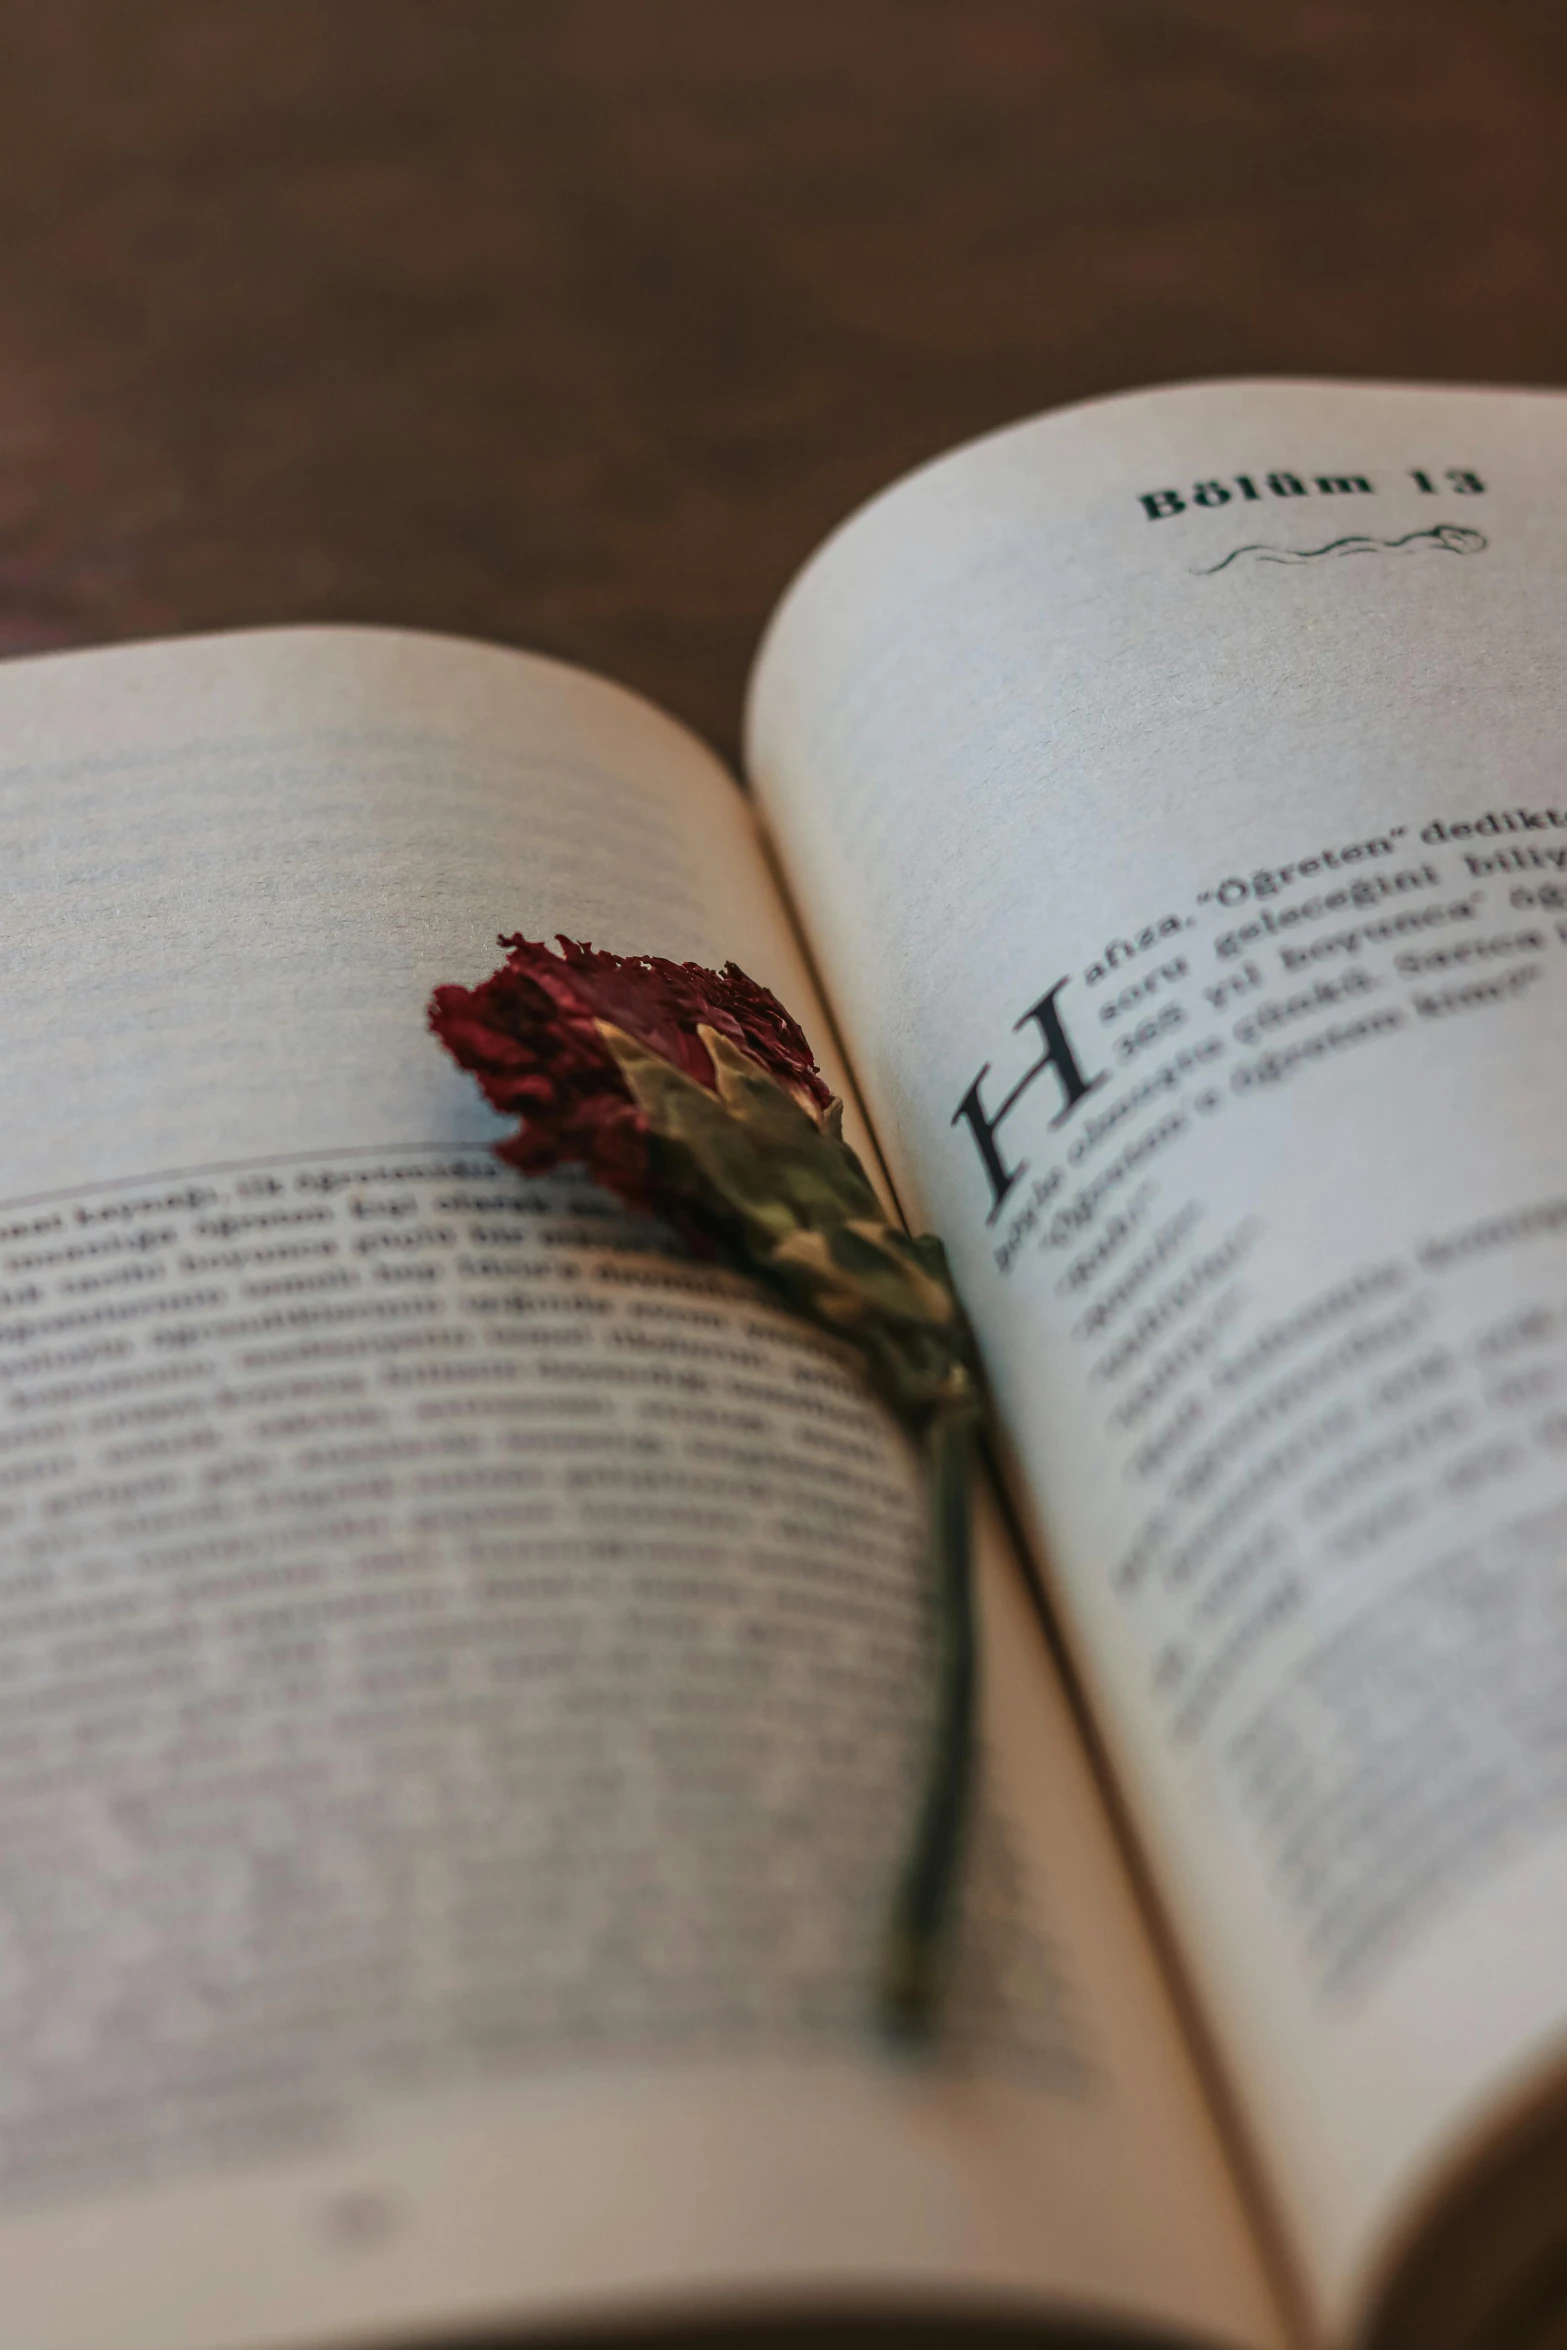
{"x":466,"y":1667}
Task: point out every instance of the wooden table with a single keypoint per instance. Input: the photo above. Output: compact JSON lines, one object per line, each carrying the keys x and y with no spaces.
{"x":575,"y":323}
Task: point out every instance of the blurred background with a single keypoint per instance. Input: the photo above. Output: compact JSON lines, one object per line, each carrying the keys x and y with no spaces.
{"x":576,"y":323}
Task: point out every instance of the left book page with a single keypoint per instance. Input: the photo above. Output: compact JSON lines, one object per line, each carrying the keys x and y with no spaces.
{"x":465,"y":1667}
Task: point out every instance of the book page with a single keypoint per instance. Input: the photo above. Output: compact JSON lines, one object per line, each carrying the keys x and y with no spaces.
{"x":1174,"y":790}
{"x":466,"y":1667}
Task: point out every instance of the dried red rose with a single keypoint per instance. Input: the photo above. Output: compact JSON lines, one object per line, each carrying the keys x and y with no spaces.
{"x":692,"y":1095}
{"x":531,"y":1035}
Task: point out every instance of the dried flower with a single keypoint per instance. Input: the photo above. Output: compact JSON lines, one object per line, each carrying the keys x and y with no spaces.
{"x":692,"y":1094}
{"x":533,"y":1035}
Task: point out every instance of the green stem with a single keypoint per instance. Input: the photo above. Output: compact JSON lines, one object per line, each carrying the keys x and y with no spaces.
{"x":925,"y":1903}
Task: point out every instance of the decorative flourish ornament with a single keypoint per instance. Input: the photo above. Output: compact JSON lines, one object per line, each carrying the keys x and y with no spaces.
{"x":693,"y":1096}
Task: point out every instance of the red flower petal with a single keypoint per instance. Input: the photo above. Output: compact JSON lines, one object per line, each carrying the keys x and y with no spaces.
{"x":529,"y":1034}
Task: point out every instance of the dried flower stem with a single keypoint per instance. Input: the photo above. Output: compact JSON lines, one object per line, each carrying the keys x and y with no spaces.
{"x":925,"y":1904}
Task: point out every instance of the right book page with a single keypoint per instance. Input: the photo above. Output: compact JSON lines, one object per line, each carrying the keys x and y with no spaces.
{"x":1173,"y":792}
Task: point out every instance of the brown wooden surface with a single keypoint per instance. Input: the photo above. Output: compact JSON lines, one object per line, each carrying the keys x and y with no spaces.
{"x":576,"y":322}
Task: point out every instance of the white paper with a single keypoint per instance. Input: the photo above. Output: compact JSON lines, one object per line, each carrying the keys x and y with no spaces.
{"x":1224,"y":727}
{"x":387,"y":1946}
